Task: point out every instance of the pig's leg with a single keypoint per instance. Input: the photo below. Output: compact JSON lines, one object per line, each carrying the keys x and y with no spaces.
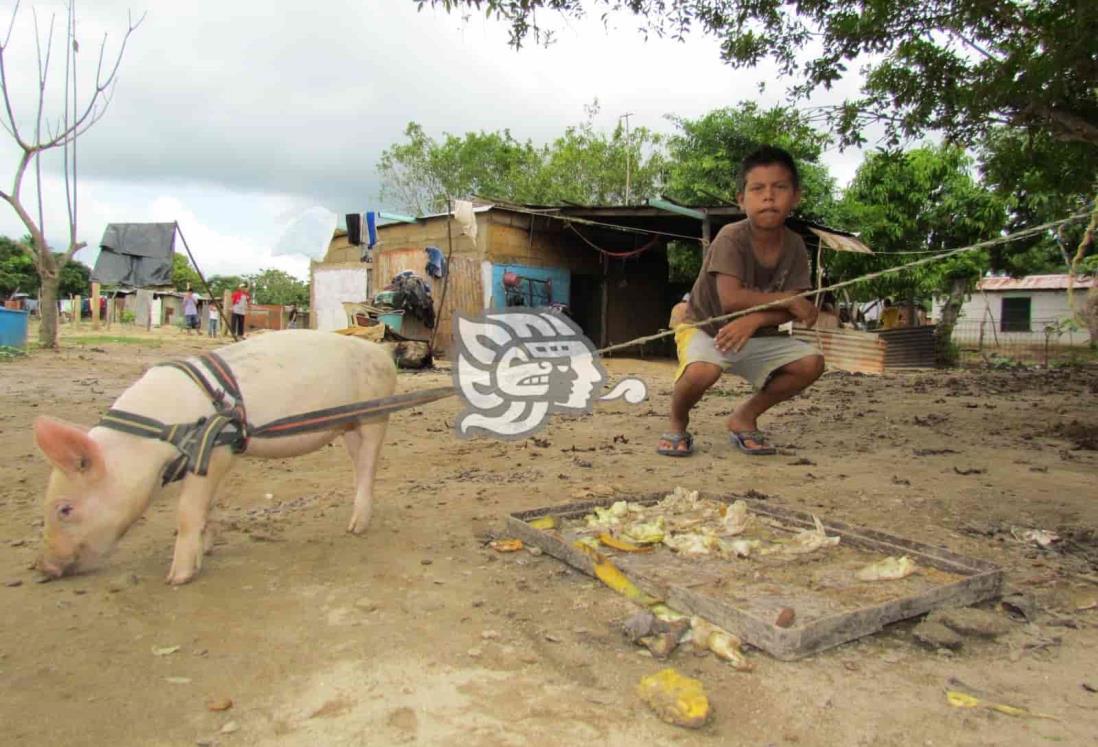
{"x":194,"y":507}
{"x":364,"y":445}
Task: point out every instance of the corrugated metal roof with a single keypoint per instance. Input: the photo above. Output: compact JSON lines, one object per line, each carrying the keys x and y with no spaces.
{"x":1034,"y":283}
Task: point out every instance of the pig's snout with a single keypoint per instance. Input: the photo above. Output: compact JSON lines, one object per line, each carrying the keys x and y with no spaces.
{"x":53,"y":567}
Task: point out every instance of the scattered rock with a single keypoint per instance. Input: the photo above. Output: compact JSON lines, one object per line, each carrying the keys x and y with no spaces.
{"x":219,"y":704}
{"x":426,"y":561}
{"x":366,"y":604}
{"x":785,"y":617}
{"x":230,"y":728}
{"x":13,"y":583}
{"x":123,"y":582}
{"x":474,"y":653}
{"x":638,"y":625}
{"x":971,"y":622}
{"x":490,"y":635}
{"x":934,"y":636}
{"x":1020,"y":606}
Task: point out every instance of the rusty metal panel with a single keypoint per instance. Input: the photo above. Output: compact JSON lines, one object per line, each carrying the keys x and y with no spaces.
{"x":464,"y":288}
{"x":847,"y":349}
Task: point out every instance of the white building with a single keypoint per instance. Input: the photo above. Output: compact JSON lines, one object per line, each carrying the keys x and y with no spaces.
{"x":1021,"y":311}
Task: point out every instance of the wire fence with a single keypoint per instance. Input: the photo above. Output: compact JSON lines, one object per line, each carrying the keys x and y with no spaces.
{"x":1045,"y":340}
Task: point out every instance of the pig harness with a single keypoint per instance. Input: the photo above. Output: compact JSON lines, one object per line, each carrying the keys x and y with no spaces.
{"x":229,"y":425}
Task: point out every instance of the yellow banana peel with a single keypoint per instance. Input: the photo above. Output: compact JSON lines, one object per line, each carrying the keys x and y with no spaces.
{"x":959,"y":699}
{"x":620,"y":544}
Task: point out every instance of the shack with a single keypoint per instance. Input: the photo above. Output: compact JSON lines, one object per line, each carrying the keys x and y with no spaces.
{"x":608,"y":265}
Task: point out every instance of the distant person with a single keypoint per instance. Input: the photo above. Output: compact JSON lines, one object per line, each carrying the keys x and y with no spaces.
{"x":190,"y":312}
{"x":751,"y":262}
{"x":241,"y":299}
{"x":292,"y":316}
{"x":214,"y":318}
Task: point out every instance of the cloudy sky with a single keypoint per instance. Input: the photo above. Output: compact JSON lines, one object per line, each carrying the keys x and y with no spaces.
{"x":231,"y":117}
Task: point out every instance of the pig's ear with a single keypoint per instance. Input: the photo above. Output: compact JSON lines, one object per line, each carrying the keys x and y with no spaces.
{"x":69,"y":448}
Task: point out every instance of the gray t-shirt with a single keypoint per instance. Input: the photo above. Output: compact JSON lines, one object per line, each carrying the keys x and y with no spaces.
{"x":730,"y":253}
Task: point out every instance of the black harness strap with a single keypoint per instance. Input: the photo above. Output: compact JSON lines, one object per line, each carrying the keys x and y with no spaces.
{"x":229,"y":426}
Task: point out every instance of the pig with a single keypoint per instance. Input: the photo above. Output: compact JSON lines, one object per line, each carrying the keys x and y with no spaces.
{"x":103,"y":479}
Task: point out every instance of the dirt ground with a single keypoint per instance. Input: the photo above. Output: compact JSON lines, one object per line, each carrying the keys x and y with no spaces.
{"x":419,"y":633}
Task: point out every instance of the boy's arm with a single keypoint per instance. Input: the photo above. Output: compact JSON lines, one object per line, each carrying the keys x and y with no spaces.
{"x":734,"y":297}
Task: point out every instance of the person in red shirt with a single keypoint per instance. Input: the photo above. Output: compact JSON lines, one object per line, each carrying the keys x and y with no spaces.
{"x":241,"y":298}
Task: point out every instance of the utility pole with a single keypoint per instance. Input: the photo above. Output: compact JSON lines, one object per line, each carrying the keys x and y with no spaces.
{"x":627,"y":143}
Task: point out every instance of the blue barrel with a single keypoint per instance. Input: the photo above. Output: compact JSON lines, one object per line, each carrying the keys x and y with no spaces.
{"x":13,"y":328}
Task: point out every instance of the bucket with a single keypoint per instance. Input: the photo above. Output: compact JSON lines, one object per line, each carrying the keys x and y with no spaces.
{"x":394,"y":320}
{"x":13,"y":328}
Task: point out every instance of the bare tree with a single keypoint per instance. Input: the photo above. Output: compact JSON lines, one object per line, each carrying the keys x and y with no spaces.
{"x":51,"y":134}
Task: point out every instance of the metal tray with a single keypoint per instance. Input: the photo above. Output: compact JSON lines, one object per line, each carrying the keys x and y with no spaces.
{"x":749,"y":609}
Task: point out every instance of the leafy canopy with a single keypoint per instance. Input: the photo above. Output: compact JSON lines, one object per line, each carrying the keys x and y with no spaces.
{"x":956,"y":66}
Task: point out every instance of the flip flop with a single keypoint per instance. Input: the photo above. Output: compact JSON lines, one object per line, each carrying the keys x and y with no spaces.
{"x":676,"y":439}
{"x":739,"y":440}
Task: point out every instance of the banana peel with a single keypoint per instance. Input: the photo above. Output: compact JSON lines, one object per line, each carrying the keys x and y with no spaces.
{"x":544,"y":522}
{"x":609,"y":574}
{"x":726,"y":646}
{"x":620,"y":544}
{"x":958,"y":699}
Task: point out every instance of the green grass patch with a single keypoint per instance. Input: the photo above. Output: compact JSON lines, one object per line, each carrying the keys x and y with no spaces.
{"x":8,"y":353}
{"x":109,"y":340}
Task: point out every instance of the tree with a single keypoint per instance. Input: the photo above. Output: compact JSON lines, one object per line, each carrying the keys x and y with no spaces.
{"x":60,"y":133}
{"x":221,"y":283}
{"x":278,"y":287}
{"x":184,"y":275}
{"x":956,"y":66}
{"x":17,"y":272}
{"x":704,"y":155}
{"x":422,"y":173}
{"x":584,"y":165}
{"x":920,"y":200}
{"x":1041,"y":179}
{"x":74,"y":278}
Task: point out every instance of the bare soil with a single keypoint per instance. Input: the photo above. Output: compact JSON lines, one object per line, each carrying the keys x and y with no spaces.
{"x":418,"y":632}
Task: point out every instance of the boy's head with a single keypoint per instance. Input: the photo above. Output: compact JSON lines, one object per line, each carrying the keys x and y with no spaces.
{"x":769,"y":186}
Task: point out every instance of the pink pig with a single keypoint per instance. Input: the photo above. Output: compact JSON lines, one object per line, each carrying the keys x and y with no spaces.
{"x":104,"y":479}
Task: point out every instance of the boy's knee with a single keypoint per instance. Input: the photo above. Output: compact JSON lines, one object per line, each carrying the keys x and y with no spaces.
{"x":702,"y":374}
{"x":812,"y":367}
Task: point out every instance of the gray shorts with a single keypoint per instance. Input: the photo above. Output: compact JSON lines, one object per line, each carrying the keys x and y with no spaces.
{"x":756,"y":361}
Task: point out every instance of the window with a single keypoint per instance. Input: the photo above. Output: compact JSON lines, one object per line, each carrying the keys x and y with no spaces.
{"x":1015,"y":315}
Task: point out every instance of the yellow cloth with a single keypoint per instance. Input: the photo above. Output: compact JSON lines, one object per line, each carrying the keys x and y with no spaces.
{"x":890,"y":318}
{"x":683,"y":335}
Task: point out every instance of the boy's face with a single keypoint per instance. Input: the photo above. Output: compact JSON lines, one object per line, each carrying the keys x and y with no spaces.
{"x":769,"y":195}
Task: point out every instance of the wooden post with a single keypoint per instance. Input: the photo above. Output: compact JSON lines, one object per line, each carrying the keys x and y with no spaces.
{"x":95,"y":305}
{"x":226,"y":317}
{"x":76,"y":307}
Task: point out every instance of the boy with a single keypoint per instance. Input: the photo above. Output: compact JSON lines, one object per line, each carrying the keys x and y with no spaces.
{"x":749,"y":263}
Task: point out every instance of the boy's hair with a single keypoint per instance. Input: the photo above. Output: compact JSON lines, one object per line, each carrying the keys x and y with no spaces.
{"x":766,"y":155}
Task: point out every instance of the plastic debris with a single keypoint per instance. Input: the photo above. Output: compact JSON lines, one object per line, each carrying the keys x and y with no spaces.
{"x":675,"y":698}
{"x":889,"y":569}
{"x":165,"y":650}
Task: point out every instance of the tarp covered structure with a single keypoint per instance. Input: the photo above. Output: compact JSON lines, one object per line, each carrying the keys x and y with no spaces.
{"x":136,"y":255}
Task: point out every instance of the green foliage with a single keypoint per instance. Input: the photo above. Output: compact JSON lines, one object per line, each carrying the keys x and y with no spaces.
{"x":17,"y":273}
{"x":1041,"y":180}
{"x":584,"y":165}
{"x":704,"y":156}
{"x":128,"y":317}
{"x":955,"y":66}
{"x":221,"y":283}
{"x":921,"y":200}
{"x":75,"y":278}
{"x":684,"y":258}
{"x":184,"y":275}
{"x":277,"y":287}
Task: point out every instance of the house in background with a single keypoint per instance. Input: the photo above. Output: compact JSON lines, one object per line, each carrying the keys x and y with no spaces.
{"x":607,"y":264}
{"x":1021,"y":311}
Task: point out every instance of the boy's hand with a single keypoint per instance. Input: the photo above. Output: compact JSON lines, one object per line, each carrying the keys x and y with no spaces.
{"x":804,"y":310}
{"x":734,"y":335}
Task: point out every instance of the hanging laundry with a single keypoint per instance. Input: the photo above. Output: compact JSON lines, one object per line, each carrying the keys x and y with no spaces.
{"x":371,"y":229}
{"x":354,"y":228}
{"x":436,"y":262}
{"x":466,"y":218}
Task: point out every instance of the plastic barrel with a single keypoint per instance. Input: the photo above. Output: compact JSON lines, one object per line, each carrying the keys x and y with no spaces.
{"x":13,"y":328}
